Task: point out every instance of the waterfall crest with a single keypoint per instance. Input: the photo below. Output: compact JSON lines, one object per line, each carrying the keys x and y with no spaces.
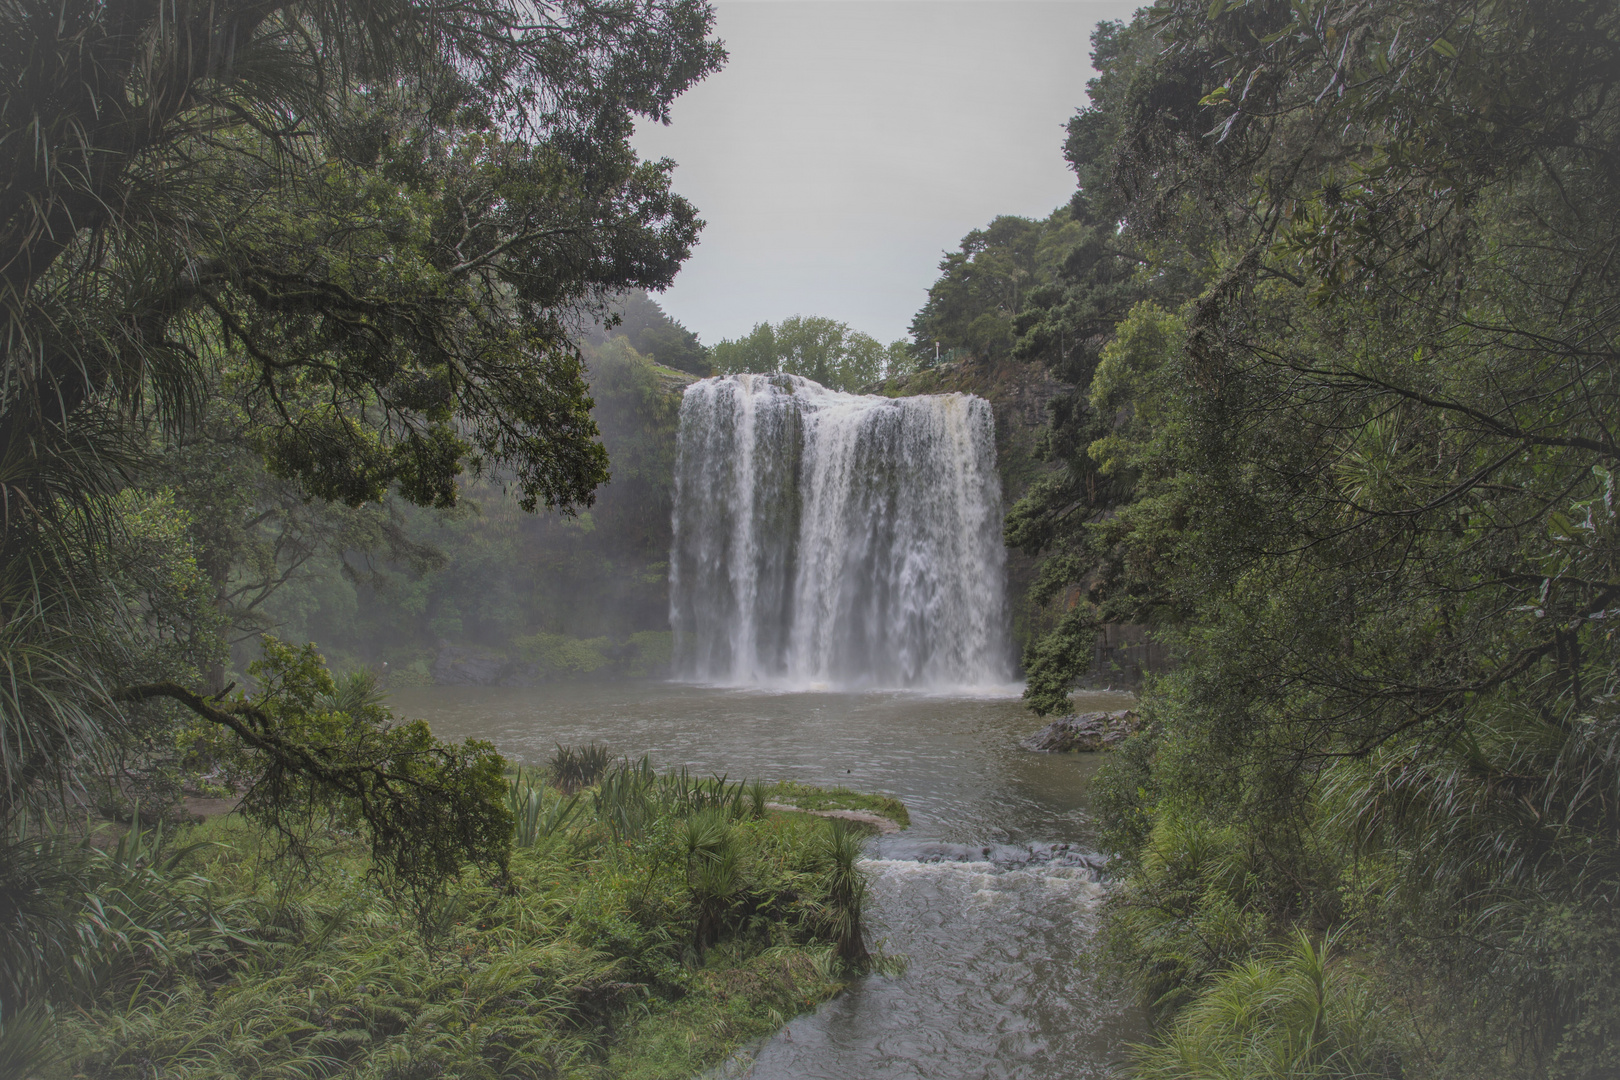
{"x":837,"y":539}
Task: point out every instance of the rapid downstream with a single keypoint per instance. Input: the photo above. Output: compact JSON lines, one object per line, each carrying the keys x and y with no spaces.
{"x":991,"y":895}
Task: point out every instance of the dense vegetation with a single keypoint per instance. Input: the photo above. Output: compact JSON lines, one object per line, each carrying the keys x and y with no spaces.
{"x":278,"y":276}
{"x":296,"y":304}
{"x":546,"y":595}
{"x":1339,"y":296}
{"x":643,"y":925}
{"x":281,"y":255}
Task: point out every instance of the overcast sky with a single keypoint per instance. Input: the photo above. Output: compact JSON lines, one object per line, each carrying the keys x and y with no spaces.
{"x":848,"y":143}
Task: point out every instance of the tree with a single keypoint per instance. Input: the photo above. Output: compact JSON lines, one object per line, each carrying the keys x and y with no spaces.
{"x":367,"y":228}
{"x":654,"y":334}
{"x":820,"y":349}
{"x":986,"y":285}
{"x":1362,"y":450}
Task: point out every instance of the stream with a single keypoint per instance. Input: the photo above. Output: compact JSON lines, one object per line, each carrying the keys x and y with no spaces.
{"x":991,"y":895}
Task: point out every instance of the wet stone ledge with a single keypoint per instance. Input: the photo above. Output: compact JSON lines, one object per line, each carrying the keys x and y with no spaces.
{"x":1084,"y":732}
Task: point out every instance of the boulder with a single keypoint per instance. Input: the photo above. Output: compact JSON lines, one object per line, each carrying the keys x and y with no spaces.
{"x":456,"y":666}
{"x":1084,"y":732}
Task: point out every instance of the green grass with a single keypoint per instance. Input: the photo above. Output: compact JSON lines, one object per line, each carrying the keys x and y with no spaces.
{"x":649,"y":931}
{"x":674,"y":373}
{"x":807,"y":797}
{"x":742,"y":1000}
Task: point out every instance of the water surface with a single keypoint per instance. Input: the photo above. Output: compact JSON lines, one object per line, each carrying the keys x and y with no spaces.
{"x":991,"y":895}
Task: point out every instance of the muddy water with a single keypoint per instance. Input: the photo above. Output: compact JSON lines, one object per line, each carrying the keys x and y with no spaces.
{"x":991,"y":895}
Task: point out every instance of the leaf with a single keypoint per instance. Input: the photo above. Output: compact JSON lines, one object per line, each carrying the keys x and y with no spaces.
{"x":1444,"y":48}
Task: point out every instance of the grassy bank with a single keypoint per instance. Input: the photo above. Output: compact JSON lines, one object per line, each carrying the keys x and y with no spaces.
{"x":809,"y":797}
{"x":646,"y":927}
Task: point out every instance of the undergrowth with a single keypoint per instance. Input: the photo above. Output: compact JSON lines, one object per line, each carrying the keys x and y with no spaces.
{"x":1289,"y":1012}
{"x":645,"y":927}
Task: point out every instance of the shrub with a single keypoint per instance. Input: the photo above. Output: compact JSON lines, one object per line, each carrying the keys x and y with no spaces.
{"x":561,"y":656}
{"x":1291,"y":1012}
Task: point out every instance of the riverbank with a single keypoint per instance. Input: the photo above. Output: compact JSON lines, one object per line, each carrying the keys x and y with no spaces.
{"x":1001,"y":973}
{"x":642,"y":931}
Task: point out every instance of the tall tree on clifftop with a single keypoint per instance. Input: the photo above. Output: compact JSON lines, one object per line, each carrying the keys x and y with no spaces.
{"x":820,"y":349}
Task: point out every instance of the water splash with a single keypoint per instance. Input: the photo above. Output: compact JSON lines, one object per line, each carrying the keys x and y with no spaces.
{"x":834,"y":539}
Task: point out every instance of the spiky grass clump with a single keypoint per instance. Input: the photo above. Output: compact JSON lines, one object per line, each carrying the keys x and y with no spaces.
{"x":573,"y":768}
{"x":1292,"y":1013}
{"x":840,"y":848}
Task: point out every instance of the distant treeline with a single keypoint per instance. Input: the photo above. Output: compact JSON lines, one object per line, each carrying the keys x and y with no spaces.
{"x":823,"y":350}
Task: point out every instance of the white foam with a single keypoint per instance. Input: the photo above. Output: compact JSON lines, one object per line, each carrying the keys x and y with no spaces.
{"x":831,"y":541}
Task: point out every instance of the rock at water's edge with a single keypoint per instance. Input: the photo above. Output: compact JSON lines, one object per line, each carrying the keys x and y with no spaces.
{"x":1084,"y":732}
{"x":456,"y":666}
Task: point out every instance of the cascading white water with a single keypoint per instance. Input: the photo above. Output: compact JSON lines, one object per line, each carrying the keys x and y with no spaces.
{"x":839,"y":539}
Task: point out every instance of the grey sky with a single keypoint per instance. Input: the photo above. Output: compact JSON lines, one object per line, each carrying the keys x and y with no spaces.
{"x":849,"y":143}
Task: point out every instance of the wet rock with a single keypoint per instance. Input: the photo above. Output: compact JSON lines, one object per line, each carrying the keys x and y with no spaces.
{"x":522,"y":675}
{"x":457,"y":666}
{"x":1084,"y":732}
{"x":1001,"y":856}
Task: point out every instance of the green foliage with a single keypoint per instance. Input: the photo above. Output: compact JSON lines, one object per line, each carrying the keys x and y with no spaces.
{"x":132,"y":600}
{"x":270,"y":553}
{"x":78,"y":918}
{"x":632,"y":795}
{"x":1194,"y":906}
{"x":820,"y":349}
{"x":1292,"y":1012}
{"x":321,"y":754}
{"x":985,"y":286}
{"x":1129,"y":380}
{"x":840,"y":848}
{"x":581,"y":960}
{"x":653,"y":649}
{"x":580,"y":597}
{"x":713,"y":872}
{"x":740,"y":1003}
{"x":344,"y":261}
{"x":758,"y":796}
{"x":1340,"y":438}
{"x":810,"y":797}
{"x":27,"y":1042}
{"x":537,"y":815}
{"x":572,"y":769}
{"x":559,"y":654}
{"x":653,"y":334}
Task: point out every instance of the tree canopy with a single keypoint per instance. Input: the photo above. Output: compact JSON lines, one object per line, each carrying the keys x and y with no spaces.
{"x":1341,"y":317}
{"x":655,"y":335}
{"x":353,"y":242}
{"x":822,"y":350}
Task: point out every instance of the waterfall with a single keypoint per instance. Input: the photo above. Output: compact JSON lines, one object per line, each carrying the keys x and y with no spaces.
{"x":836,"y":539}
